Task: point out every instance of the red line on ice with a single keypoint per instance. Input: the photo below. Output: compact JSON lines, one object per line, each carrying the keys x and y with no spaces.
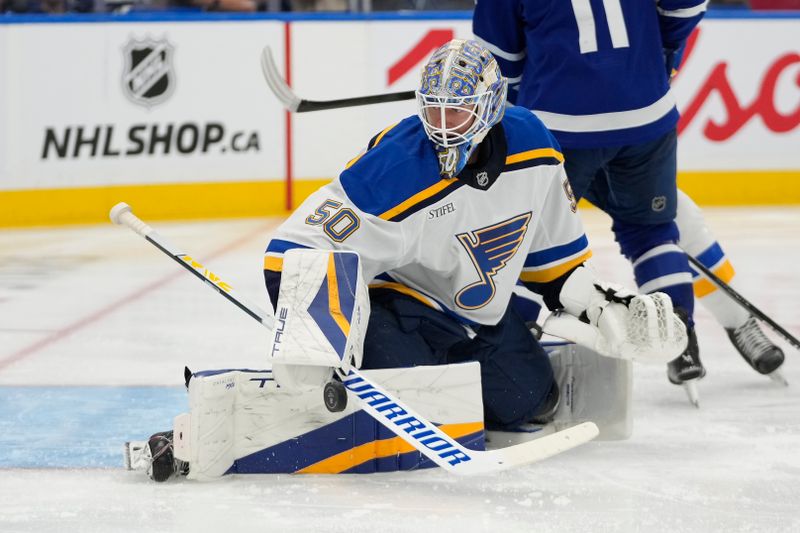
{"x":122,"y":302}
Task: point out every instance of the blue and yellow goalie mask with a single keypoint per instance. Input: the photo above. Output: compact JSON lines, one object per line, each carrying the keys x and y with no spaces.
{"x":462,"y":95}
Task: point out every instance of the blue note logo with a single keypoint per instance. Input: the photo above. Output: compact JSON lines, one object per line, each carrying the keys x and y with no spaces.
{"x":490,"y":248}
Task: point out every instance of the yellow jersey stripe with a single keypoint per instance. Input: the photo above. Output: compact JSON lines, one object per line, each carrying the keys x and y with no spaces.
{"x":273,"y":263}
{"x":704,"y":287}
{"x":549,"y":274}
{"x":334,"y":307}
{"x":354,"y":160}
{"x":384,"y":132}
{"x":399,"y":287}
{"x":377,"y":140}
{"x":417,"y":198}
{"x":534,"y":154}
{"x":381,"y":448}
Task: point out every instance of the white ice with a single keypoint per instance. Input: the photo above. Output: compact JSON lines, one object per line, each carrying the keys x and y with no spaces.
{"x":97,"y":309}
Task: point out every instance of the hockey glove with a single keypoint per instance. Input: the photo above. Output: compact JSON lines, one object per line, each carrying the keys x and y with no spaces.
{"x":628,"y":325}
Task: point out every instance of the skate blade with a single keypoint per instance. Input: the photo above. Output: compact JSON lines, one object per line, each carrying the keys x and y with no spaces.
{"x":690,"y":387}
{"x":778,"y":377}
{"x":127,"y":453}
{"x":137,"y":455}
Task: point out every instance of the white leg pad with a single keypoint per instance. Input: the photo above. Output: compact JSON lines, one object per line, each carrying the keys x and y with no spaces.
{"x":593,"y":388}
{"x":243,"y":422}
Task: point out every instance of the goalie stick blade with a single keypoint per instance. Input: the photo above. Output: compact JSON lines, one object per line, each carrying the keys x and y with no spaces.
{"x":543,"y":447}
{"x":447,"y":452}
{"x":295,"y":104}
{"x":273,"y":78}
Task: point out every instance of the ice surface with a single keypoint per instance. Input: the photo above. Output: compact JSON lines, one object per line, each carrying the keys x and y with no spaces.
{"x":96,"y":326}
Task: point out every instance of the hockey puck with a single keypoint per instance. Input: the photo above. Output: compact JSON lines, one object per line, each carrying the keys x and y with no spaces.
{"x":335,"y":396}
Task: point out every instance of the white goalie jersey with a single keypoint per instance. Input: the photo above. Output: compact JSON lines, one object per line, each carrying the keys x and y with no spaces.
{"x":454,"y":247}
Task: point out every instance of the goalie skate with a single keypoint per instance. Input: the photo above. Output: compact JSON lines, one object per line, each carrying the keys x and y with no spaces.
{"x":137,"y":455}
{"x":155,"y":456}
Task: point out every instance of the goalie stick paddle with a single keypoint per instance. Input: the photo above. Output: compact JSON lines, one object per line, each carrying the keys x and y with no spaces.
{"x":295,"y":104}
{"x":428,"y":439}
{"x":741,"y":300}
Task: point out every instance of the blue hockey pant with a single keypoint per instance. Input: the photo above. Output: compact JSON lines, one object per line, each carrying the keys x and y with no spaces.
{"x":515,"y":370}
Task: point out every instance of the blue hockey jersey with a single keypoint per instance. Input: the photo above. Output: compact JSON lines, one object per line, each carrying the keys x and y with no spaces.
{"x":592,"y":70}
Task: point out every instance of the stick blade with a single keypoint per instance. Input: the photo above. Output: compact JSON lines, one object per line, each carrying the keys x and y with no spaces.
{"x":276,"y":83}
{"x":547,"y":446}
{"x":531,"y":451}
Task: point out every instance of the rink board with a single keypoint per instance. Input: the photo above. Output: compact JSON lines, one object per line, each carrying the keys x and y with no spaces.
{"x":81,"y":129}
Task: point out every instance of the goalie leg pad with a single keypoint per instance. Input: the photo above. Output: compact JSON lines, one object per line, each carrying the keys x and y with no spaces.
{"x":593,"y":388}
{"x":242,"y":422}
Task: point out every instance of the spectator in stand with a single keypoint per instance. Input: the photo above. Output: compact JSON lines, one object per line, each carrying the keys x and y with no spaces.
{"x":223,"y":5}
{"x":422,"y":5}
{"x":319,"y":5}
{"x":46,"y":6}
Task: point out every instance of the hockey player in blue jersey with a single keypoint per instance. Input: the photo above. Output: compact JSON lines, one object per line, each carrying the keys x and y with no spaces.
{"x":596,"y":74}
{"x":449,"y":210}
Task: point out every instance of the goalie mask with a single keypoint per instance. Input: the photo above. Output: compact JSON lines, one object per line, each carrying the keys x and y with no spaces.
{"x":462,"y":95}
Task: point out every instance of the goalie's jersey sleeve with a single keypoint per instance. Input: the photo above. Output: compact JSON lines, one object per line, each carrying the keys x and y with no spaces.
{"x":594,"y":72}
{"x":455,"y":248}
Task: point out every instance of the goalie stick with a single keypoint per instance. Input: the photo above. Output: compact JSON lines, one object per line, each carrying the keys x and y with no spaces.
{"x":428,"y":439}
{"x":295,"y":104}
{"x":742,"y":301}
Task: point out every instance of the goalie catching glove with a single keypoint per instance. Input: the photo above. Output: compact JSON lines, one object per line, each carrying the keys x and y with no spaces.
{"x":617,"y":322}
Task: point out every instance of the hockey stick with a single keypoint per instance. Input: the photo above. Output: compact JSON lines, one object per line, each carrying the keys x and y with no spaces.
{"x":295,"y":104}
{"x":428,"y":439}
{"x":742,"y":301}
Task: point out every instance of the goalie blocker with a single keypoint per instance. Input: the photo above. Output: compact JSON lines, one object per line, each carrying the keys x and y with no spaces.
{"x":320,"y":318}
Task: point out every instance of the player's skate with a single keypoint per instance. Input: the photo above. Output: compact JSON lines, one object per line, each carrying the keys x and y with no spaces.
{"x":759,"y":352}
{"x":155,"y":456}
{"x":686,"y":369}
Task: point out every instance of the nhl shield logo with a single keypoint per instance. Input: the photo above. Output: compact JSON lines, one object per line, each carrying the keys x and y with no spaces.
{"x":148,"y":78}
